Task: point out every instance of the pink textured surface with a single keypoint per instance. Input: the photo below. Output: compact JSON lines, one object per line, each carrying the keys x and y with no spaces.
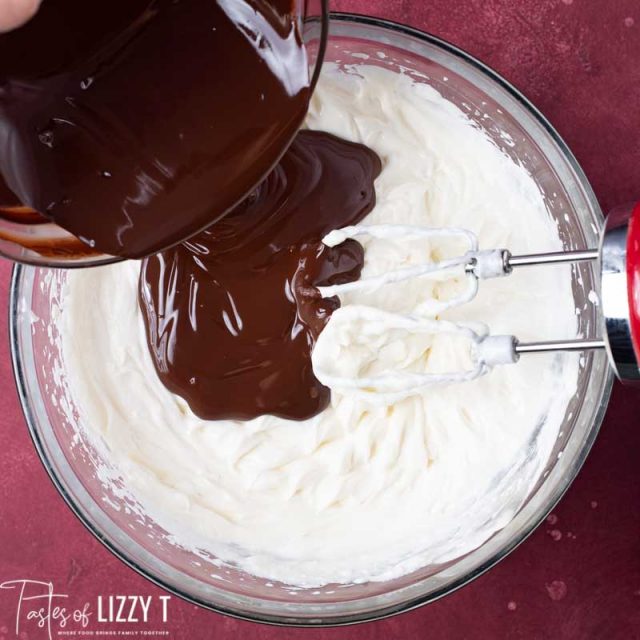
{"x":578,"y":576}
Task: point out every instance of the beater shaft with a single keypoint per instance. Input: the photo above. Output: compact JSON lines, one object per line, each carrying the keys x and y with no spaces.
{"x":549,"y":258}
{"x":558,"y":345}
{"x":494,"y":263}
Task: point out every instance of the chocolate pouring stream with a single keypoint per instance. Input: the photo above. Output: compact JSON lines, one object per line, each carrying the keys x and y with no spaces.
{"x":134,"y":125}
{"x":232,"y":315}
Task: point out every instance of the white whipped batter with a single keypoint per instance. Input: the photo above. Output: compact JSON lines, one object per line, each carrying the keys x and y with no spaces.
{"x":360,"y":492}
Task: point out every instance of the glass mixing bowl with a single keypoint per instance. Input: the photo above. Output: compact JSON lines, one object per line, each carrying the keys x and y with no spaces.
{"x":522,"y":132}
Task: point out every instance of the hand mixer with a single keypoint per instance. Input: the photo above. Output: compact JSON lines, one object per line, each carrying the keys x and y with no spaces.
{"x":619,"y":266}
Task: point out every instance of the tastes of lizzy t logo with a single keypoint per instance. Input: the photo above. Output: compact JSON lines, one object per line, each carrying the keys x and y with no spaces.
{"x":38,"y":604}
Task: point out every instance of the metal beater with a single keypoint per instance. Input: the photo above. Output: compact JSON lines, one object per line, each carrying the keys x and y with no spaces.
{"x":618,"y":257}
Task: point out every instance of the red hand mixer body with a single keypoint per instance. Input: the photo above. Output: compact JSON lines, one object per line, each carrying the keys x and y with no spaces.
{"x":620,"y":291}
{"x":633,"y":278}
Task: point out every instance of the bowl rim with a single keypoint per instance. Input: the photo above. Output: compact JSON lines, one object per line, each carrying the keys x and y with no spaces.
{"x":368,"y":615}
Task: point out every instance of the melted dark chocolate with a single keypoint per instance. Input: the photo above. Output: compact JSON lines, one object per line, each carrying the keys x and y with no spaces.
{"x":232,"y":315}
{"x":134,"y":124}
